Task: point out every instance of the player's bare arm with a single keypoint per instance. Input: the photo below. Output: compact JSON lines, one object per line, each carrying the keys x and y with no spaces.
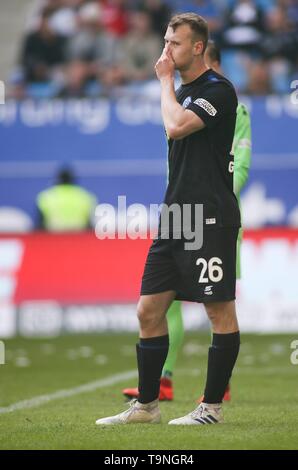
{"x":179,"y":122}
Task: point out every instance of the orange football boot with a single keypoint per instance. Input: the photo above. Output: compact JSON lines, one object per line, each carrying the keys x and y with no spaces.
{"x":227,"y":396}
{"x":166,"y":392}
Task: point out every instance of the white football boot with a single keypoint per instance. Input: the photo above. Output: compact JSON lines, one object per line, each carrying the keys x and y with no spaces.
{"x":203,"y":414}
{"x":136,"y":413}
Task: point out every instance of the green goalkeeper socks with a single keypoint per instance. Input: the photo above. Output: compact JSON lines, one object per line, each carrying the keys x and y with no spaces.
{"x":176,"y":335}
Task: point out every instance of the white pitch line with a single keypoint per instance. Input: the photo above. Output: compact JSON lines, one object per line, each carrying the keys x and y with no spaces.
{"x":89,"y":387}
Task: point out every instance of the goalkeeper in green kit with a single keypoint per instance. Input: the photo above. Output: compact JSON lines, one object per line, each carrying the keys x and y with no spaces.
{"x":242,"y":156}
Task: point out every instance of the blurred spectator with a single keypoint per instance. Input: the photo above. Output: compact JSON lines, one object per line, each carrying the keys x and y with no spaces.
{"x":90,"y":53}
{"x":280,"y":46}
{"x":282,"y":38}
{"x":62,"y":15}
{"x":206,"y":8}
{"x":43,"y":51}
{"x":244,"y":26}
{"x":64,"y":19}
{"x":291,"y":8}
{"x":259,"y":79}
{"x":65,"y":206}
{"x":160,"y":14}
{"x":75,"y":80}
{"x":92,"y":42}
{"x":115,"y":16}
{"x":141,"y":49}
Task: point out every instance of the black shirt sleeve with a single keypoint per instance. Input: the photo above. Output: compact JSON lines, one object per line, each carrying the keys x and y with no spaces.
{"x":214,"y":102}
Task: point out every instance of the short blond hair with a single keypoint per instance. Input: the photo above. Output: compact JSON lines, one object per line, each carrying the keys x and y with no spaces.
{"x":197,"y":24}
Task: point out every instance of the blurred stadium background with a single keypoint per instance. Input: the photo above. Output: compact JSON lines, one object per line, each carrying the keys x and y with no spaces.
{"x":80,"y":93}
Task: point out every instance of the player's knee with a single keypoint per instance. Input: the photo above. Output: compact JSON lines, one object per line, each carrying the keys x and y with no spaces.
{"x":146,"y":315}
{"x":216,"y":313}
{"x":222,"y":316}
{"x":212,"y":312}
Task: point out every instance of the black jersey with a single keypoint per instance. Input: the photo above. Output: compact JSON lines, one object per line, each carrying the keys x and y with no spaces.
{"x":201,"y":164}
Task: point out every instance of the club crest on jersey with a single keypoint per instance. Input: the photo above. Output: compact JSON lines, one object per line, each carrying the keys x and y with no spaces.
{"x":186,"y":102}
{"x":206,"y":106}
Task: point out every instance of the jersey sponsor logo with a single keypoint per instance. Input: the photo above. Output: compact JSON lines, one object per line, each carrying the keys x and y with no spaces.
{"x":208,"y":290}
{"x":202,"y":103}
{"x":186,"y":102}
{"x":244,"y":144}
{"x":210,"y":221}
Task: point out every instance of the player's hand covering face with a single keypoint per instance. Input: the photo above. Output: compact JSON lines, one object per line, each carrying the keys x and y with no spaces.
{"x":165,"y":65}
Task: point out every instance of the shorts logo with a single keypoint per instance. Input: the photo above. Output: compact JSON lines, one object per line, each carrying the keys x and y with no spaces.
{"x":186,"y":102}
{"x":206,"y":106}
{"x":210,"y":221}
{"x":208,"y":290}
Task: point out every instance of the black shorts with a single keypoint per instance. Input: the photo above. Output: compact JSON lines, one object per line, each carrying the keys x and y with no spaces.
{"x":204,"y":275}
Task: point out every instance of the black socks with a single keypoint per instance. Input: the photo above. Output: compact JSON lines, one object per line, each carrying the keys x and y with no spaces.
{"x":151,"y":355}
{"x":221,"y":360}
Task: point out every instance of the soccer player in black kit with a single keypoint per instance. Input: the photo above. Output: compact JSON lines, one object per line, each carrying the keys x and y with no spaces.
{"x":199,"y":120}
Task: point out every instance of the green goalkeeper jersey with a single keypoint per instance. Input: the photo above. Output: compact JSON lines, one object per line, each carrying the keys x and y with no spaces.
{"x":241,"y":148}
{"x":242,"y":158}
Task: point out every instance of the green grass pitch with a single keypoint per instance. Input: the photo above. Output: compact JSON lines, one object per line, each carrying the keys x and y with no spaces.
{"x":263,"y":413}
